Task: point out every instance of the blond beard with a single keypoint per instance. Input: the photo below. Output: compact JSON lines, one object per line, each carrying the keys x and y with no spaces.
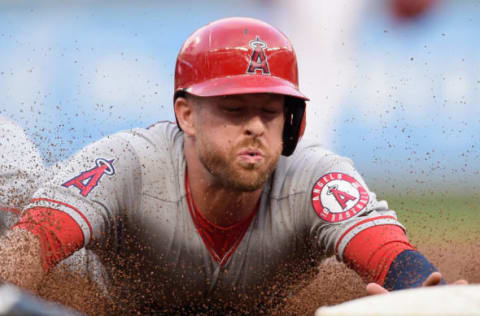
{"x":237,"y":178}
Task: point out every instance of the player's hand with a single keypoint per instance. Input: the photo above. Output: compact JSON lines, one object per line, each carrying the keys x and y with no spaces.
{"x":433,"y":279}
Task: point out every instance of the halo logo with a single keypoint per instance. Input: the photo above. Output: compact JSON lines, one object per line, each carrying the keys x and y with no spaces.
{"x":88,"y":180}
{"x":258,"y":60}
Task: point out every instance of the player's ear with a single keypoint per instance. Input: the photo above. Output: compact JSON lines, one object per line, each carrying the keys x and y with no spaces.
{"x":184,"y":113}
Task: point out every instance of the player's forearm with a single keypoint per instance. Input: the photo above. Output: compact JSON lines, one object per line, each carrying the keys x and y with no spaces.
{"x":58,"y":233}
{"x":35,"y":244}
{"x":371,"y":251}
{"x":20,"y":259}
{"x":382,"y":254}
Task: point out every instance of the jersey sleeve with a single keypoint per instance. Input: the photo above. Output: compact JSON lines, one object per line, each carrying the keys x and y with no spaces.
{"x":96,"y":186}
{"x":332,"y":201}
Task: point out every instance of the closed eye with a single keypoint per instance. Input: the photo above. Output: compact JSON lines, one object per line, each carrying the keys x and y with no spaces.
{"x":232,"y":109}
{"x":271,"y":111}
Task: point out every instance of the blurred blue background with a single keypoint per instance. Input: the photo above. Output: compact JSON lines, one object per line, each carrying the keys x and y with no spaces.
{"x":393,"y":86}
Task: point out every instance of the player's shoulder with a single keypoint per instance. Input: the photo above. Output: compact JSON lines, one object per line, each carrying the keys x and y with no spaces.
{"x":310,"y":160}
{"x":161,"y":143}
{"x":162,"y":135}
{"x":166,"y":128}
{"x":310,"y":153}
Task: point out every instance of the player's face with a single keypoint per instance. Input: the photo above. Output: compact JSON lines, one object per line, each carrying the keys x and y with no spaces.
{"x":239,"y":138}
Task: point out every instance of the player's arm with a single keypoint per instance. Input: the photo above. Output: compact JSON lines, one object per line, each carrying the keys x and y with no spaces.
{"x":385,"y":259}
{"x":41,"y":239}
{"x":383,"y":256}
{"x":362,"y":232}
{"x":84,"y":197}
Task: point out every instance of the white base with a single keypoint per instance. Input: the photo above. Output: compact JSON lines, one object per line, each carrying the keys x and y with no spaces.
{"x":444,"y":300}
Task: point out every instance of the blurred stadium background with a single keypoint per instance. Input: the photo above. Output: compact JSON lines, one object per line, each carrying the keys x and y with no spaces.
{"x":394,"y":85}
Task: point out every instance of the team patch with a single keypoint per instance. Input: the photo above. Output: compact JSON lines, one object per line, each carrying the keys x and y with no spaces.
{"x":258,"y":59}
{"x":337,"y":197}
{"x":88,"y":180}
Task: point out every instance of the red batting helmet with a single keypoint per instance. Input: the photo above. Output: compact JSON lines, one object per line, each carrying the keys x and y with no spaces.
{"x":239,"y":56}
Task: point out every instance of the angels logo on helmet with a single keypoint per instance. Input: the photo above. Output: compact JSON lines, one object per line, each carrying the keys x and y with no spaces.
{"x":337,"y":196}
{"x":258,"y":60}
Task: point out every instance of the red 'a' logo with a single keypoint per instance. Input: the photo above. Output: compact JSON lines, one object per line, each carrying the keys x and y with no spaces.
{"x":88,"y":180}
{"x":258,"y":60}
{"x":341,"y":197}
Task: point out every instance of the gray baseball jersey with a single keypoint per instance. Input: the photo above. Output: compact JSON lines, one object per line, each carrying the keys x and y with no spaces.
{"x":127,"y":194}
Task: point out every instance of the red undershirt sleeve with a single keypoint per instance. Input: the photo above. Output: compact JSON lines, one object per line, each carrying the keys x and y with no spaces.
{"x":371,"y":252}
{"x":59,"y":234}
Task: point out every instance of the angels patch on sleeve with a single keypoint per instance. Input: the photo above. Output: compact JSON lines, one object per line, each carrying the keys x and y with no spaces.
{"x":337,"y":196}
{"x":88,"y":180}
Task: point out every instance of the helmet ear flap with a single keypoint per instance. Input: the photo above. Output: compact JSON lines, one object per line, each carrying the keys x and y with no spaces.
{"x":295,"y":122}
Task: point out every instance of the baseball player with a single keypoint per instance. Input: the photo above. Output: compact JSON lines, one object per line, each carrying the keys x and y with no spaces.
{"x":222,"y":210}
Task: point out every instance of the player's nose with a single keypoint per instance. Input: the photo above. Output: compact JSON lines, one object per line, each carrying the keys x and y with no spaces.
{"x":255,"y":126}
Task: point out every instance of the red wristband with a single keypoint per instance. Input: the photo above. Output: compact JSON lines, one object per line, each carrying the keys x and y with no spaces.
{"x":371,"y":252}
{"x":59,"y":234}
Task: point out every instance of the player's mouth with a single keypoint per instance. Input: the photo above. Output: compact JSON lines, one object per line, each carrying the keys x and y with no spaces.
{"x":251,"y":156}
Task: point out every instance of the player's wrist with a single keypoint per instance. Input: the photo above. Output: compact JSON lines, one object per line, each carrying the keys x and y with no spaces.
{"x":409,"y":269}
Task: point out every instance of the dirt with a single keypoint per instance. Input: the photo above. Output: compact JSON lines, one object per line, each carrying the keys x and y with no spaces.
{"x":75,"y":292}
{"x":334,"y":283}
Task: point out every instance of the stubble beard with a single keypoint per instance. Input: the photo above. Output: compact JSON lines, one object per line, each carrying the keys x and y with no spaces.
{"x":223,"y":167}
